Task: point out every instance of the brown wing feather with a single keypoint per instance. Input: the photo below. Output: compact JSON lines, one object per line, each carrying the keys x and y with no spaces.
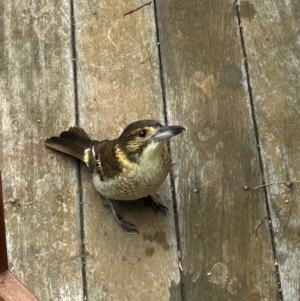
{"x":102,"y":158}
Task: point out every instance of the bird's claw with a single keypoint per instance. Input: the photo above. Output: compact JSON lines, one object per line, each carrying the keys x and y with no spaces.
{"x":126,"y":226}
{"x":156,"y":206}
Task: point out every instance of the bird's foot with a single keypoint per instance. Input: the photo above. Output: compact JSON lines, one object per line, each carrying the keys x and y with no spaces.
{"x":126,"y":226}
{"x":156,"y":206}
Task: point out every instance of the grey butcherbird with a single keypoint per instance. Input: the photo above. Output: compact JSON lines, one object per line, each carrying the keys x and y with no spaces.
{"x":128,"y":168}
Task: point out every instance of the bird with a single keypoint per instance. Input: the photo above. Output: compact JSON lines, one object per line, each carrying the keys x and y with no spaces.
{"x":130,"y":167}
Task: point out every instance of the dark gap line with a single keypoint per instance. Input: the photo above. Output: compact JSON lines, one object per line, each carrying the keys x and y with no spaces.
{"x":79,"y":177}
{"x":257,"y":138}
{"x":165,"y":109}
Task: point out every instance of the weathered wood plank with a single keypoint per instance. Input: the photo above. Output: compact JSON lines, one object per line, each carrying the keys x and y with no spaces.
{"x":40,"y":186}
{"x":206,"y":90}
{"x":11,"y":289}
{"x":271,"y":33}
{"x":118,"y":82}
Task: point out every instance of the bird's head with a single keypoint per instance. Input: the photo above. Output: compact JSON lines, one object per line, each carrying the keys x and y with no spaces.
{"x":145,"y":137}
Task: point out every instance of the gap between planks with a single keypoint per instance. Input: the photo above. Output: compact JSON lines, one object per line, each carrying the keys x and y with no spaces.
{"x":79,"y":177}
{"x":172,"y":182}
{"x":257,"y":139}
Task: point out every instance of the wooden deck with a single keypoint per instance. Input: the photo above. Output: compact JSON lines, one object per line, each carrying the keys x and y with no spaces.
{"x":229,"y":72}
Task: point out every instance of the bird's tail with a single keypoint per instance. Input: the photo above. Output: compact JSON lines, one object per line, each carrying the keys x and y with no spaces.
{"x":73,"y":142}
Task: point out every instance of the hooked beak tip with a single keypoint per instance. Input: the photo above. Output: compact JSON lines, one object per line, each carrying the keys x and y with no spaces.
{"x":167,"y":132}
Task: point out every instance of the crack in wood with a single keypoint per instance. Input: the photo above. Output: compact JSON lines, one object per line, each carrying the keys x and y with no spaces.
{"x":257,"y":138}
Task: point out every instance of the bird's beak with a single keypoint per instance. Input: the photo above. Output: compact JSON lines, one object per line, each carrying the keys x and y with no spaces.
{"x":166,"y":132}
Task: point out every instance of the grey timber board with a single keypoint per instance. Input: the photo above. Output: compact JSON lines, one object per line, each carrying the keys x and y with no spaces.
{"x":40,"y":185}
{"x":206,"y":90}
{"x":271,"y":34}
{"x":118,"y":83}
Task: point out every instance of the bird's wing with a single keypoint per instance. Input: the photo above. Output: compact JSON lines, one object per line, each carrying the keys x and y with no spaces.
{"x":104,"y":160}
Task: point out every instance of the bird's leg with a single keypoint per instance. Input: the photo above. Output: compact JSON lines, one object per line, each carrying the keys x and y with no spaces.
{"x":126,"y":226}
{"x":156,"y":206}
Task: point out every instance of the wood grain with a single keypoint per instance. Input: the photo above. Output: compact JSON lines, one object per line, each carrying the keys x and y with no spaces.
{"x":206,"y":90}
{"x":12,"y":289}
{"x":118,"y":83}
{"x":271,"y":33}
{"x":40,"y":186}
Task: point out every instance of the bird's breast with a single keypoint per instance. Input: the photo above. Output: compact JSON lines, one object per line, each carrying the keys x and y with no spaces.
{"x":136,"y":180}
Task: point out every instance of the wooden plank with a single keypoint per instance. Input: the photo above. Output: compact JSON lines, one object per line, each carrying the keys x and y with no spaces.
{"x":271,"y":33}
{"x":118,"y":83}
{"x":206,"y":90}
{"x":40,"y":186}
{"x":12,"y":289}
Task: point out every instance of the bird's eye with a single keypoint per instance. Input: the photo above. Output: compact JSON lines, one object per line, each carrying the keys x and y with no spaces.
{"x":142,"y":133}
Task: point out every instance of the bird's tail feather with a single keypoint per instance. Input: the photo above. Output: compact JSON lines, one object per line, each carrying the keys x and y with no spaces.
{"x":73,"y":142}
